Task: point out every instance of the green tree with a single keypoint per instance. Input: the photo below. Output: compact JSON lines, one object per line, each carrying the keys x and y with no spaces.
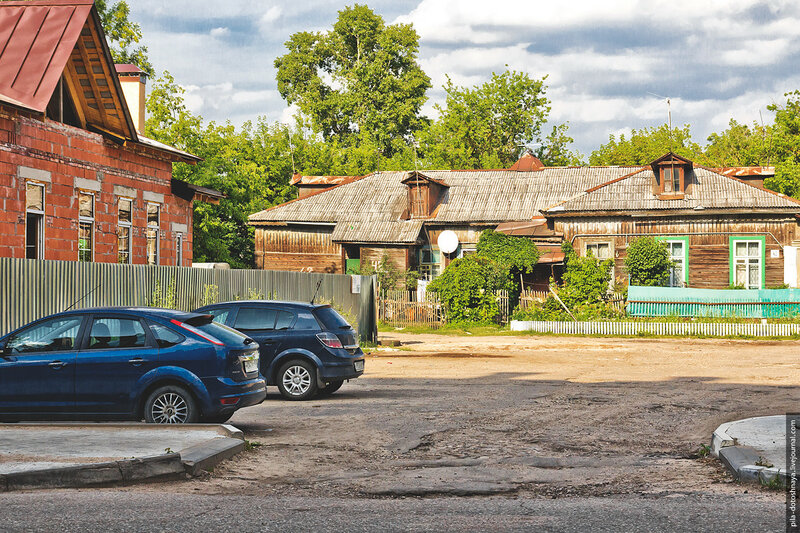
{"x":123,"y":34}
{"x":251,"y":166}
{"x":359,"y":82}
{"x":648,"y":262}
{"x":486,"y":126}
{"x":787,"y":146}
{"x":646,"y":145}
{"x":740,"y":145}
{"x":514,"y":256}
{"x":467,"y":288}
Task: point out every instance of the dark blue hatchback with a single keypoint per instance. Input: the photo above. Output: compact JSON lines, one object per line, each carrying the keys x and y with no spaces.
{"x":128,"y":363}
{"x":306,"y":349}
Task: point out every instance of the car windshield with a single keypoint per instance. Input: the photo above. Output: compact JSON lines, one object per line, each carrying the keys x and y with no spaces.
{"x":330,"y":318}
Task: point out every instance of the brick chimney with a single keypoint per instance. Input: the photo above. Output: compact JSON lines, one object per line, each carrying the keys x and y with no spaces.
{"x":132,"y":79}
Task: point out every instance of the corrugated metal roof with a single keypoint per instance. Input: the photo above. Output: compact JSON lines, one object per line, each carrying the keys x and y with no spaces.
{"x":709,"y":190}
{"x":36,"y":40}
{"x":369,"y":209}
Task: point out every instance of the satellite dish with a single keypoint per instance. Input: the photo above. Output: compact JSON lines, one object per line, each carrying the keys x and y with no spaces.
{"x":447,"y":241}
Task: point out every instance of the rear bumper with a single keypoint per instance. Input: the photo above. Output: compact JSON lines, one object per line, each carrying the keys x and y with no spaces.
{"x":340,"y":370}
{"x":250,"y":392}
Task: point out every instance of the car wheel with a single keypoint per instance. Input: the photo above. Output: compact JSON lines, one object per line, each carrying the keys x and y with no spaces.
{"x":297,"y":380}
{"x":170,"y":405}
{"x":331,"y":387}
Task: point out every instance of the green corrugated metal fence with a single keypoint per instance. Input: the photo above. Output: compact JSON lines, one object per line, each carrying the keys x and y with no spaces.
{"x":673,"y":301}
{"x":31,"y":289}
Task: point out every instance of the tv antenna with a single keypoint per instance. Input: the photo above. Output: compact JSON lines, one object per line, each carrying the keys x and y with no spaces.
{"x":669,"y":114}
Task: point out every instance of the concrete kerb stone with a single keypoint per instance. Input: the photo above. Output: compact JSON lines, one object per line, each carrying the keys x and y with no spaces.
{"x":172,"y":465}
{"x":742,"y":461}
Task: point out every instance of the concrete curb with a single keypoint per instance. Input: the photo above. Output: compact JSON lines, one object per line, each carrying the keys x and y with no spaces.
{"x":191,"y":461}
{"x":741,"y":460}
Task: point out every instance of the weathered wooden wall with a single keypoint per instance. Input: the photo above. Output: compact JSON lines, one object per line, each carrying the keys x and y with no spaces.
{"x":399,"y":255}
{"x":301,"y":249}
{"x":709,"y":252}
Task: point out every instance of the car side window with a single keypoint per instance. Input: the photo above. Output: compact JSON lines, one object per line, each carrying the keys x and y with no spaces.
{"x":116,"y":333}
{"x":306,"y":321}
{"x":250,"y":318}
{"x":54,"y":335}
{"x":165,"y":337}
{"x":284,"y":320}
{"x":220,"y":314}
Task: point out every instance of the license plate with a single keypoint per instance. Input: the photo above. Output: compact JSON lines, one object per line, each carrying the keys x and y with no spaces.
{"x":359,"y":366}
{"x":250,"y":365}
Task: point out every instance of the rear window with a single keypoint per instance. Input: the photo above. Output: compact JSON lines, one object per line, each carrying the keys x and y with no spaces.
{"x":222,"y":333}
{"x":331,"y":319}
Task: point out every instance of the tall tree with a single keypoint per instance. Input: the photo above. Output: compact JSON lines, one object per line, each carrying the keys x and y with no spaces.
{"x":487,"y":126}
{"x":359,"y":81}
{"x":646,"y":145}
{"x":123,"y":34}
{"x":741,"y":145}
{"x":787,"y":146}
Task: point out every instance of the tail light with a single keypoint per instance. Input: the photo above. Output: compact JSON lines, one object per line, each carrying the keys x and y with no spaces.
{"x":229,"y":401}
{"x":329,"y":339}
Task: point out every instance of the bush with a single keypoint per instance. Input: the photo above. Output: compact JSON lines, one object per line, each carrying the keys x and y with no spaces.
{"x":648,"y":262}
{"x":586,"y":279}
{"x":467,"y":289}
{"x":390,"y":277}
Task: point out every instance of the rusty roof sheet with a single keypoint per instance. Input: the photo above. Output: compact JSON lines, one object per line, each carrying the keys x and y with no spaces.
{"x":370,"y":209}
{"x":298,"y":179}
{"x":36,"y":40}
{"x":741,"y":172}
{"x":710,"y":190}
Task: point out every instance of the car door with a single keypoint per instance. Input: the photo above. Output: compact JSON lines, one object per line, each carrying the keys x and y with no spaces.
{"x":37,"y":369}
{"x":258,"y":323}
{"x":117,"y":350}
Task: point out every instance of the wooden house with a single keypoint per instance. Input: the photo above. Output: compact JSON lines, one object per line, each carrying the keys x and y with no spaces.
{"x":721,"y":230}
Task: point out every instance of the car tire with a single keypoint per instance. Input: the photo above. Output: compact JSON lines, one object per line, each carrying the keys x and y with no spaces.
{"x":297,"y":380}
{"x":331,"y":387}
{"x":170,"y":404}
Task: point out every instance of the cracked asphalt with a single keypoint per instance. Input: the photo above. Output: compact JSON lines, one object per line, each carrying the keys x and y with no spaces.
{"x":523,"y":433}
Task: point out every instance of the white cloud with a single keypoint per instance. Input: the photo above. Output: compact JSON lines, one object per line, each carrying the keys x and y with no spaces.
{"x":268,"y":19}
{"x":219,"y":32}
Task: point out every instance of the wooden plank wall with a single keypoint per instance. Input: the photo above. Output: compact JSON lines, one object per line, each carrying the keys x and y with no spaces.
{"x":398,"y":255}
{"x":303,"y":249}
{"x":708,"y":254}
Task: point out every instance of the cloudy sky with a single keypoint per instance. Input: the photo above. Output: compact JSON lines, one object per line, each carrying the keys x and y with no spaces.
{"x":609,"y":64}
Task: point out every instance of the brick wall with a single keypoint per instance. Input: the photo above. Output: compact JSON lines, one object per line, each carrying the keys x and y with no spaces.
{"x":68,"y":159}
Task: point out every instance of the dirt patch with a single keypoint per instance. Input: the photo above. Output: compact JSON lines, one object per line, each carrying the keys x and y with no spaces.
{"x":526,"y":416}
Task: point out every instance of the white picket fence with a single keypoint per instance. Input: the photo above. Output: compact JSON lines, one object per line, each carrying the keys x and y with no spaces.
{"x":710,"y":329}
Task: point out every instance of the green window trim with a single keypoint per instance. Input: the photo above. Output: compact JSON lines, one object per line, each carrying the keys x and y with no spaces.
{"x":685,"y":239}
{"x":732,"y":240}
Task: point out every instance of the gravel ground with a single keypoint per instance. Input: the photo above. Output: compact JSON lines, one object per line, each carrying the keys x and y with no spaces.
{"x":478,"y":434}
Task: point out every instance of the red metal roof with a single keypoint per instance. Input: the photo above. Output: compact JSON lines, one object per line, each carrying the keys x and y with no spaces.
{"x":743,"y":172}
{"x":127,"y":68}
{"x":36,"y":40}
{"x":527,"y":163}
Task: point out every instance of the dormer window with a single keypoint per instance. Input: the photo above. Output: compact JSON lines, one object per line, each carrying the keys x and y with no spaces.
{"x":424,"y":194}
{"x":672,"y":176}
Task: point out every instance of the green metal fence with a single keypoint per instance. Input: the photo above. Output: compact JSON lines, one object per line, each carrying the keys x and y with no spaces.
{"x":673,"y":301}
{"x":31,"y":289}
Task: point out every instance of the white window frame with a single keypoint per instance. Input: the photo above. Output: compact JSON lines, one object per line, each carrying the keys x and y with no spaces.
{"x":40,"y":222}
{"x":673,"y":282}
{"x":748,"y":261}
{"x":152,"y":227}
{"x":429,"y":269}
{"x":87,"y":220}
{"x":125,"y":224}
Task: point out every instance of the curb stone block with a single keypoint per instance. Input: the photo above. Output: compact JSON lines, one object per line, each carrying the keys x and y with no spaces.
{"x":155,"y":467}
{"x":72,"y":476}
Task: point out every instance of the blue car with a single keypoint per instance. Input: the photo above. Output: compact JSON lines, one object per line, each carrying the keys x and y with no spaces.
{"x":306,"y":349}
{"x":160,"y":365}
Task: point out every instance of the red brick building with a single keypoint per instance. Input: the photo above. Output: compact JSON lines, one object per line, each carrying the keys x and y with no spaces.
{"x":77,"y":181}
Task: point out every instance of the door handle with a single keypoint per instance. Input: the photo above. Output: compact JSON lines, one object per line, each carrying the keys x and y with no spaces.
{"x":57,"y":364}
{"x":268,"y":341}
{"x":136,"y":361}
